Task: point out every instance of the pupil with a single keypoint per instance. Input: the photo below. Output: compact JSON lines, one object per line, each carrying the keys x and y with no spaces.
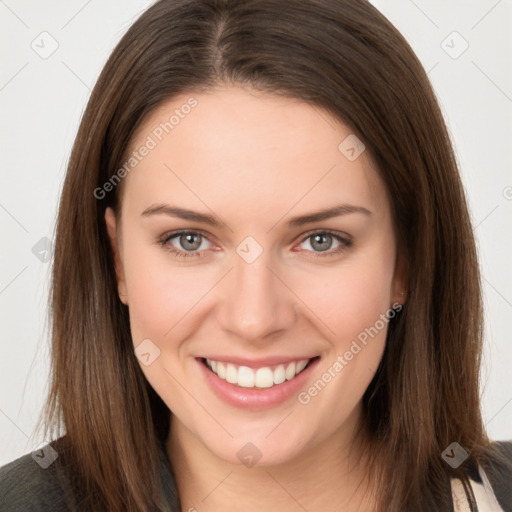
{"x":322,"y":242}
{"x":190,"y":241}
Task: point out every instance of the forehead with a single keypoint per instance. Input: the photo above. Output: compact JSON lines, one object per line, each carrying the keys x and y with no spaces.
{"x":240,"y":149}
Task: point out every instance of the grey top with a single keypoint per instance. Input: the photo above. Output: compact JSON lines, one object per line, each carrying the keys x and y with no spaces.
{"x":26,"y":485}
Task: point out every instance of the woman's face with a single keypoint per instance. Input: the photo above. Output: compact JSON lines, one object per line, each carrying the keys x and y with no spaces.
{"x":256,"y":235}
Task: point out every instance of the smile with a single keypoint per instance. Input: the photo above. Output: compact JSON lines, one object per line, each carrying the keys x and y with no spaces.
{"x":263,"y":377}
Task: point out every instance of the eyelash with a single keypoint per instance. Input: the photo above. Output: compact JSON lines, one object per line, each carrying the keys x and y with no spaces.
{"x":345,"y":242}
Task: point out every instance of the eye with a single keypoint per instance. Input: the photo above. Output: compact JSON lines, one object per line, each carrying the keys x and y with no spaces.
{"x":185,"y":244}
{"x":325,"y":243}
{"x":193,"y":244}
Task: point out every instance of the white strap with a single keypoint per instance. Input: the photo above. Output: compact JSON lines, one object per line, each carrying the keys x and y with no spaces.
{"x":460,"y":501}
{"x":484,"y":495}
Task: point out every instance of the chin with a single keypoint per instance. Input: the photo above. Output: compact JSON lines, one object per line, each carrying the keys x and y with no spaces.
{"x":256,"y":451}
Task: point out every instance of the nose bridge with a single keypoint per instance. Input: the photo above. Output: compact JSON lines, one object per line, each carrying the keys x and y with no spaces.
{"x":256,"y":303}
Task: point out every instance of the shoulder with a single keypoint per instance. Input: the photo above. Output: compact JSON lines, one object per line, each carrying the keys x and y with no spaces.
{"x":498,"y":470}
{"x":34,"y":482}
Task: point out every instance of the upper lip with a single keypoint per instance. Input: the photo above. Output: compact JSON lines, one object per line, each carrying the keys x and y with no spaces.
{"x":258,"y":363}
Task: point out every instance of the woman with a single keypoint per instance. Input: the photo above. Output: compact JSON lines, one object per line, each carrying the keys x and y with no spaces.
{"x":256,"y":302}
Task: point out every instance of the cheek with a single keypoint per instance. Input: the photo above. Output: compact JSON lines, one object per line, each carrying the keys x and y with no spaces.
{"x":350,"y":299}
{"x":162,"y":300}
{"x":160,"y":295}
{"x":353,"y":306}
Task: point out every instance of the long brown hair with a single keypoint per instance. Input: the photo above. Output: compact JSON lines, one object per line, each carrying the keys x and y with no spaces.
{"x":342,"y":56}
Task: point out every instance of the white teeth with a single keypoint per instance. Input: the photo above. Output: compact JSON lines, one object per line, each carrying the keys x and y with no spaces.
{"x":301,"y":365}
{"x":261,"y":378}
{"x":245,"y":377}
{"x":264,"y":378}
{"x":231,"y":374}
{"x":221,"y":370}
{"x":290,"y":371}
{"x":279,"y":375}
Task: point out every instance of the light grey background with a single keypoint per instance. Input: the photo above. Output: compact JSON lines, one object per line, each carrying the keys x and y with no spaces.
{"x":42,"y":97}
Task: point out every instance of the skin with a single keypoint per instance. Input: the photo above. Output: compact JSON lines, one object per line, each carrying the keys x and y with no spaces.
{"x":254,"y":161}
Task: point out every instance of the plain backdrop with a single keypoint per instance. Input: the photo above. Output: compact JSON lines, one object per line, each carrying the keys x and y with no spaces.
{"x":51,"y":55}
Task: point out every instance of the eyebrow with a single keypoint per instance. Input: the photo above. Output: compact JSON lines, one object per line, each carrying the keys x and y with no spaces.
{"x":212,"y":220}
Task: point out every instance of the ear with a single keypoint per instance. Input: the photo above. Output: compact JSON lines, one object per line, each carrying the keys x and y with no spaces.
{"x":399,"y":288}
{"x":111,"y":223}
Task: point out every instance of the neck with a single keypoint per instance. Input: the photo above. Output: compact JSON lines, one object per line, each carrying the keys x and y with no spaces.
{"x":330,"y":476}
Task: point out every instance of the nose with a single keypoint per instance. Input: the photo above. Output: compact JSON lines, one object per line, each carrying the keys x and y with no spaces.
{"x":255,"y":303}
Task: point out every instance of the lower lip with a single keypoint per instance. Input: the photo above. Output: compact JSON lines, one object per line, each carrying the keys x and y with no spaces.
{"x":252,"y":398}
